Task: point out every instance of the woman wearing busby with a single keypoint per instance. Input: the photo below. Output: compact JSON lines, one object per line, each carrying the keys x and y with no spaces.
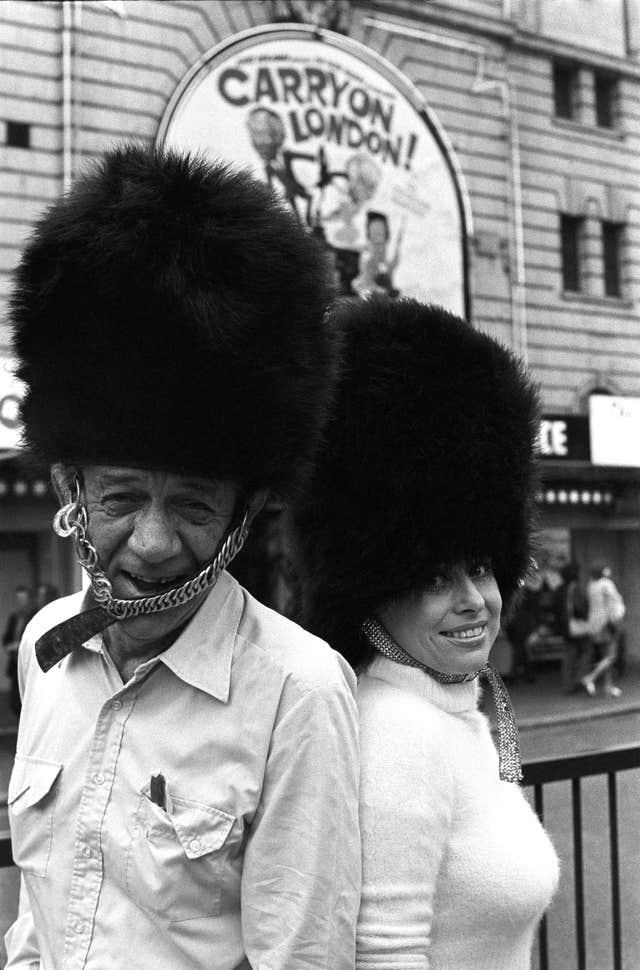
{"x":413,"y":538}
{"x":184,"y":792}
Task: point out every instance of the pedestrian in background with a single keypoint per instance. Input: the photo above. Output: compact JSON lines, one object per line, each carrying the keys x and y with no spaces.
{"x":519,"y":627}
{"x":606,"y":613}
{"x":415,"y":531}
{"x":45,"y":593}
{"x":15,"y":626}
{"x":572,"y":610}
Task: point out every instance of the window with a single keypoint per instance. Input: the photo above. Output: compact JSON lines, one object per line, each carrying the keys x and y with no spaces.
{"x":605,"y":87}
{"x":611,"y":252}
{"x":570,"y":232}
{"x":18,"y":134}
{"x":564,"y":86}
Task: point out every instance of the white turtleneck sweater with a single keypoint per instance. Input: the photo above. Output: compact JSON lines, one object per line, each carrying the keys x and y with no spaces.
{"x":457,"y":869}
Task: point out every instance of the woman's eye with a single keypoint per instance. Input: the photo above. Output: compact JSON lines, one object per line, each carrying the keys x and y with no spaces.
{"x":438,"y":583}
{"x":482,"y":571}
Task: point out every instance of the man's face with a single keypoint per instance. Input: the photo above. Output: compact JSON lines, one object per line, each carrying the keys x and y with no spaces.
{"x":267,"y":134}
{"x":152,"y":531}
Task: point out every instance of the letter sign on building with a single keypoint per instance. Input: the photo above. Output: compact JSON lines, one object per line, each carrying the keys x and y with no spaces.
{"x":553,"y":438}
{"x":349,"y":145}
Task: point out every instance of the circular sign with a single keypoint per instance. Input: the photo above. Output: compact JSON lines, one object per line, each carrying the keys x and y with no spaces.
{"x":348,"y":144}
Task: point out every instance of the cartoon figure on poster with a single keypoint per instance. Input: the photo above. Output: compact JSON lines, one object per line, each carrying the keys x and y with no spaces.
{"x":361,"y":179}
{"x":267,"y":132}
{"x":376,"y":270}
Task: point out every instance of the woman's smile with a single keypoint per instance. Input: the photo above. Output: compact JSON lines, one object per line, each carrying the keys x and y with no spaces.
{"x":468,"y":635}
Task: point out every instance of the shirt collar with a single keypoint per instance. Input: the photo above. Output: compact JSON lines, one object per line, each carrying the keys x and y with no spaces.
{"x":203,"y":653}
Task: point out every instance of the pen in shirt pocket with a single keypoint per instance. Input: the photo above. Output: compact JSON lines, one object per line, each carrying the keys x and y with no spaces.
{"x":158,"y":791}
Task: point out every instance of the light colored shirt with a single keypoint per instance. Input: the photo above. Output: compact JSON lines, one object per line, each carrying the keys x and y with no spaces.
{"x":255,"y":863}
{"x":456,"y":868}
{"x":605,"y":606}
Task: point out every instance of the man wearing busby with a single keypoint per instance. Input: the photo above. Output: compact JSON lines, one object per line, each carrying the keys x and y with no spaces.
{"x":184,"y":791}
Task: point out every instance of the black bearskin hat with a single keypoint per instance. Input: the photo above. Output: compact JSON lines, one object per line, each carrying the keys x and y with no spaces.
{"x":169,"y":313}
{"x":429,"y":463}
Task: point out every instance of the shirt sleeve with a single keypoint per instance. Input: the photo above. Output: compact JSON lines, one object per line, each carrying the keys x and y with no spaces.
{"x":20,"y":939}
{"x":406,"y":802}
{"x":301,"y":873}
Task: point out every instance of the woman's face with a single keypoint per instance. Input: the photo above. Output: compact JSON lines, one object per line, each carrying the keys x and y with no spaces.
{"x":451,"y":625}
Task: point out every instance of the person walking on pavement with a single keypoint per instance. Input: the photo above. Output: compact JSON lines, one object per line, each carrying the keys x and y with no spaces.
{"x":184,"y":792}
{"x":572,"y":611}
{"x":606,"y":612}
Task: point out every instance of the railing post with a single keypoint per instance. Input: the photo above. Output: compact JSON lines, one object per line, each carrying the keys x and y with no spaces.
{"x":578,"y":879}
{"x":543,"y":939}
{"x":615,"y":872}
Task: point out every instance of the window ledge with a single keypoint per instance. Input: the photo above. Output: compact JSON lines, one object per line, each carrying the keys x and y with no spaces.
{"x":617,"y":302}
{"x":615,"y":133}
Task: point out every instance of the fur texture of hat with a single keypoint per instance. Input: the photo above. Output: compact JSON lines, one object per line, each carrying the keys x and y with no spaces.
{"x":168,"y":313}
{"x":429,"y":463}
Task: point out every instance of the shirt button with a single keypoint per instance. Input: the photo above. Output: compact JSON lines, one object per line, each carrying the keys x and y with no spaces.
{"x":117,"y":705}
{"x":87,"y":851}
{"x":194,"y":845}
{"x":98,"y":778}
{"x":79,"y":927}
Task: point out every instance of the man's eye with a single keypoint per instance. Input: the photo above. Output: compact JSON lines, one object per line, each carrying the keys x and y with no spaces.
{"x":117,"y":502}
{"x":196,"y":510}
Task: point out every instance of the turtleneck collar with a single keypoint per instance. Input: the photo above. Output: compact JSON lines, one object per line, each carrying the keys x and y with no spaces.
{"x":452,"y":698}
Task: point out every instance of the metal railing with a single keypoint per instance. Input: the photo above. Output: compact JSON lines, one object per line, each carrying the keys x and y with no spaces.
{"x":536,"y":775}
{"x":573,"y":769}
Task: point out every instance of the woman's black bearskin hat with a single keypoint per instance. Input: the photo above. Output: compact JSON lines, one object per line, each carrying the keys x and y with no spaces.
{"x":169,"y":313}
{"x":429,"y":462}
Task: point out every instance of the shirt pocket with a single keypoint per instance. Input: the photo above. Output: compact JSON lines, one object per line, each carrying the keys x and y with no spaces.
{"x":31,"y":799}
{"x":176,"y":858}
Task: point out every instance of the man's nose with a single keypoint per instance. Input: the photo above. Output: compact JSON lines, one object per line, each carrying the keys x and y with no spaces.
{"x":154,"y":537}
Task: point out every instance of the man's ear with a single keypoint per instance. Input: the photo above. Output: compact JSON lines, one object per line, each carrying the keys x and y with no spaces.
{"x":62,"y":477}
{"x":256,"y":504}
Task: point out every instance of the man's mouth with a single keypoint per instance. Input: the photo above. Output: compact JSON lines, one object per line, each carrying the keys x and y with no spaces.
{"x":145,"y":585}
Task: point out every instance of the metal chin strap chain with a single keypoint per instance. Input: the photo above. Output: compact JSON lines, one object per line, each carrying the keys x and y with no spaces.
{"x":508,"y":739}
{"x":71,"y":520}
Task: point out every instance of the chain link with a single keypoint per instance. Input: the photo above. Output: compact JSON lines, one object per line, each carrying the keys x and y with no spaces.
{"x":72,"y":520}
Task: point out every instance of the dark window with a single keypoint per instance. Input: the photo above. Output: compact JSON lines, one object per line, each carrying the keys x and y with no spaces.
{"x":570,"y":227}
{"x":564,"y":84}
{"x":611,"y":250}
{"x":18,"y":134}
{"x":605,"y":92}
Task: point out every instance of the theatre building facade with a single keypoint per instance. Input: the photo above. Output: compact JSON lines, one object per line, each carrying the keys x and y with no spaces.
{"x":482,"y":154}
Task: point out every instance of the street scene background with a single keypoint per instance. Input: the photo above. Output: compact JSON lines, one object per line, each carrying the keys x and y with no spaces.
{"x":484,"y":153}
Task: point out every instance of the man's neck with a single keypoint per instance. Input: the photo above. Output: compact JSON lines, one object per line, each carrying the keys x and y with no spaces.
{"x":128,"y":654}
